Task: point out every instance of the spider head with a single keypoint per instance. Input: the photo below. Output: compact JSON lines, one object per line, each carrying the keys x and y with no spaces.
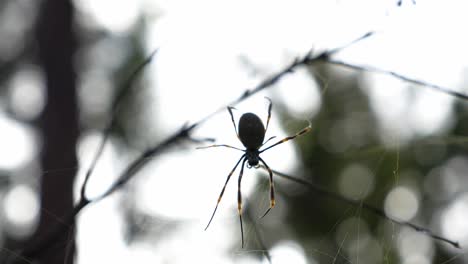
{"x":252,"y":158}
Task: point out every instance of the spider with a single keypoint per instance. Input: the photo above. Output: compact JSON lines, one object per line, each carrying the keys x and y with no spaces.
{"x":251,"y":133}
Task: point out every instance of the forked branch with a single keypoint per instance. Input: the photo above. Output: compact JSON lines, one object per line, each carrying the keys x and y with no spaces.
{"x":184,"y":133}
{"x":370,"y":208}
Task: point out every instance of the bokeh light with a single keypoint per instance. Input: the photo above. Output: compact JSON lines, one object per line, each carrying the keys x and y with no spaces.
{"x":18,"y":144}
{"x":288,"y":252}
{"x":119,"y":19}
{"x":369,"y":130}
{"x":26,"y":93}
{"x":356,"y":182}
{"x":401,"y":203}
{"x":414,"y":246}
{"x":453,"y":220}
{"x":21,"y":219}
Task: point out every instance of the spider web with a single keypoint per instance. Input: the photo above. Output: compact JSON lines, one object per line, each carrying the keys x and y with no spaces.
{"x":346,"y":235}
{"x":327,"y":246}
{"x":344,"y":240}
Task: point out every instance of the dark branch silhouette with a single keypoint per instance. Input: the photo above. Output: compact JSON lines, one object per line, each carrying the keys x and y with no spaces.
{"x":125,"y":89}
{"x":184,"y":133}
{"x":358,"y":203}
{"x":438,"y":88}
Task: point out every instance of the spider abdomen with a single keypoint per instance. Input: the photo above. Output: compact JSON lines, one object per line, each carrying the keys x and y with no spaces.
{"x":251,"y":131}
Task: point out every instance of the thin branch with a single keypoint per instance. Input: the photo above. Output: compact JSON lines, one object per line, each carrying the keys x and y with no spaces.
{"x":438,"y":88}
{"x":125,"y":89}
{"x":138,"y":163}
{"x":184,"y":133}
{"x":186,"y":130}
{"x":338,"y":49}
{"x":69,"y":219}
{"x":308,"y":59}
{"x":358,"y":203}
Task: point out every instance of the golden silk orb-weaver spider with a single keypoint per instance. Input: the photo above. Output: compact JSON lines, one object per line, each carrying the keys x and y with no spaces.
{"x":251,"y":133}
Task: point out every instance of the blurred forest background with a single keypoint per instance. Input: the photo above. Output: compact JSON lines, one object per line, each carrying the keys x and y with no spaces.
{"x":377,"y":139}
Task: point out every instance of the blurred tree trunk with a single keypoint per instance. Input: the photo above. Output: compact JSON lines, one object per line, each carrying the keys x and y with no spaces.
{"x":58,"y":124}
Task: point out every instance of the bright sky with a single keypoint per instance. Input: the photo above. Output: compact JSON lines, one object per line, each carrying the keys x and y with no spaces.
{"x":199,"y":69}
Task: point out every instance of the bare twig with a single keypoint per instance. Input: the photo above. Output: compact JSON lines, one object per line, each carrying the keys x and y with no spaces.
{"x":38,"y":247}
{"x":401,"y":77}
{"x":185,"y":133}
{"x":358,"y":203}
{"x":138,"y":163}
{"x":308,"y":59}
{"x":126,"y":87}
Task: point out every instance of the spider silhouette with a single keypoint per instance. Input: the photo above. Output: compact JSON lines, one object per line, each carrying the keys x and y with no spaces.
{"x":251,"y":133}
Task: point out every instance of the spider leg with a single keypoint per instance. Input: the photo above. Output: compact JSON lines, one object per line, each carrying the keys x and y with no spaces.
{"x":303,"y":131}
{"x":269,"y":113}
{"x":232,"y":119}
{"x":266,"y":141}
{"x":220,"y":145}
{"x":272,"y":188}
{"x":239,"y":201}
{"x":224,"y":188}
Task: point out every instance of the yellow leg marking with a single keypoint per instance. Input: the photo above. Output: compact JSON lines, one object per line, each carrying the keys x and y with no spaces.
{"x":307,"y":129}
{"x":224,"y":188}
